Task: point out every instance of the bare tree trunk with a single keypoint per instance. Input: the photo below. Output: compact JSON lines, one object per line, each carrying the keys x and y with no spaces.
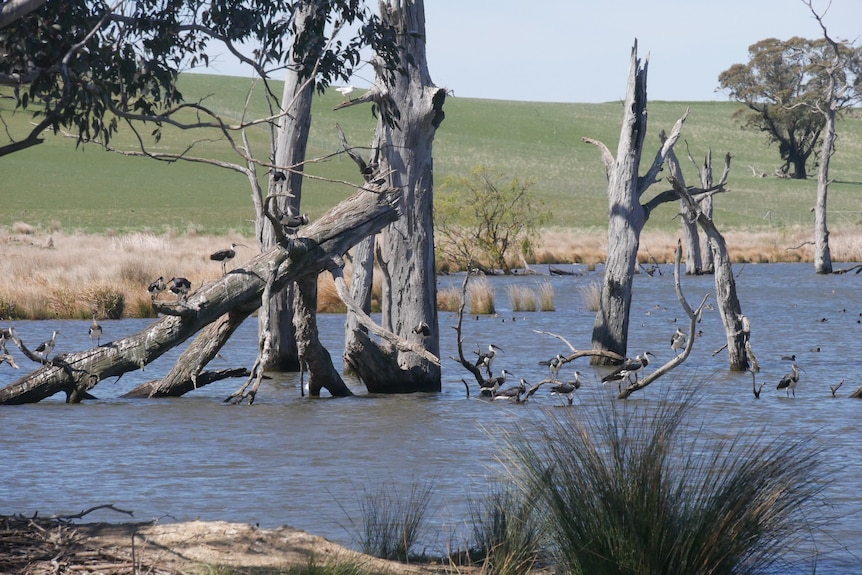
{"x":313,"y":251}
{"x":706,"y":182}
{"x":626,"y":215}
{"x":822,"y":255}
{"x":290,"y":153}
{"x":411,"y":111}
{"x":690,"y":236}
{"x":361,"y":282}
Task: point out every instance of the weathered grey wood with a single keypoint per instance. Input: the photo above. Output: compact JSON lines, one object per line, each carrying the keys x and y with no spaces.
{"x":357,"y":217}
{"x":690,"y":237}
{"x":411,"y":111}
{"x":626,"y":215}
{"x":822,"y":253}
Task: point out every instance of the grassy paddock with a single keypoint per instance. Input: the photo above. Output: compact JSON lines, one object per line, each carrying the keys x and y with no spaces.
{"x":45,"y":274}
{"x":93,"y":191}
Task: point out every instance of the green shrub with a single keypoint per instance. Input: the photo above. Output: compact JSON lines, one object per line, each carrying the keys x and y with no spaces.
{"x":392,"y":520}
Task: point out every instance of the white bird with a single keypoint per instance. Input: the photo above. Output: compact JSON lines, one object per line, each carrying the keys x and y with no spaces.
{"x":568,"y":388}
{"x":789,"y":381}
{"x":555,"y":364}
{"x":157,"y":287}
{"x":95,"y":332}
{"x":45,"y":348}
{"x":677,"y":340}
{"x":629,"y":367}
{"x":6,"y":334}
{"x":485,"y":359}
{"x":345,"y":91}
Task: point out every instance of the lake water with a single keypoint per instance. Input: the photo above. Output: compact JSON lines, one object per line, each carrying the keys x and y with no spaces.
{"x":307,"y":462}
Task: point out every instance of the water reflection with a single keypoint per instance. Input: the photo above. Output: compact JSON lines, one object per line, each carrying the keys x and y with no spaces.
{"x":305,"y":462}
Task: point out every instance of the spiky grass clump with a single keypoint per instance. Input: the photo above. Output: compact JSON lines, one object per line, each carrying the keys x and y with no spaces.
{"x":392,"y":520}
{"x":482,"y":296}
{"x":507,"y":532}
{"x":591,"y":295}
{"x":642,"y":492}
{"x":546,"y":296}
{"x":449,"y":299}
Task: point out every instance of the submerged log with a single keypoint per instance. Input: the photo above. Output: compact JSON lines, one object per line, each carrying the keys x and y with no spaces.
{"x":239,"y":291}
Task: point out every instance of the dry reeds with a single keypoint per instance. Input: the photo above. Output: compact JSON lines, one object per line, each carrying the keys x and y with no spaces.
{"x":449,"y":299}
{"x":522,"y":298}
{"x":546,"y":296}
{"x":481,"y":294}
{"x":591,"y":295}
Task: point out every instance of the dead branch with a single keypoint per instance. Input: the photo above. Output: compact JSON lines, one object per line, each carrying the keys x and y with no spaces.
{"x":754,"y":386}
{"x":693,"y":316}
{"x":607,"y":156}
{"x":835,"y":388}
{"x":468,"y":365}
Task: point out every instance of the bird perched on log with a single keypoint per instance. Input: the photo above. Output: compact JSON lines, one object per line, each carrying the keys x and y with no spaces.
{"x":789,"y":381}
{"x":555,"y":364}
{"x":225,"y":255}
{"x":486,"y":358}
{"x":628,"y":368}
{"x":45,"y":348}
{"x":513,"y":393}
{"x":180,"y":287}
{"x":568,"y":388}
{"x":492,"y":385}
{"x":95,"y":332}
{"x":677,"y":340}
{"x":157,"y":287}
{"x":292,"y":223}
{"x":7,"y":334}
{"x":422,"y":329}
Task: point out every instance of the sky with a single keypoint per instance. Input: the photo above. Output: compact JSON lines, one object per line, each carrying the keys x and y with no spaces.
{"x":579,"y":51}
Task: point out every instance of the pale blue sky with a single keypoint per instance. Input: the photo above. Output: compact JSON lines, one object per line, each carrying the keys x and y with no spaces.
{"x":578,"y":51}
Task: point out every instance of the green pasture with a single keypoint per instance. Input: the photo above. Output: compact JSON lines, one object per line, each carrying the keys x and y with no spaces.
{"x":91,"y":190}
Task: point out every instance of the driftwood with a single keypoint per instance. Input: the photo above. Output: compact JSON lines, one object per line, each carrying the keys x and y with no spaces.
{"x":239,"y":291}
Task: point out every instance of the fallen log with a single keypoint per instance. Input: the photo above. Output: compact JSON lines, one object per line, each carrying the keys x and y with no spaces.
{"x":308,"y":253}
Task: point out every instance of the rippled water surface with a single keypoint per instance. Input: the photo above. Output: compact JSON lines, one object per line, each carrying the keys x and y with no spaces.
{"x":307,"y":462}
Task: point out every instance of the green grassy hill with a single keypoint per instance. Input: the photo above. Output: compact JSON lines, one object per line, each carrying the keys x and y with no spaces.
{"x":91,"y":190}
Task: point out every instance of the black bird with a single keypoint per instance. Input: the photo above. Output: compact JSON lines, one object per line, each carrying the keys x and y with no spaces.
{"x":788,"y":357}
{"x":555,"y":364}
{"x":45,"y":348}
{"x":486,"y":358}
{"x":181,"y":287}
{"x":278,"y":176}
{"x":157,"y":287}
{"x":568,"y":388}
{"x":492,"y":385}
{"x":224,"y":256}
{"x":293,"y":222}
{"x":789,"y":381}
{"x":95,"y":332}
{"x":422,"y":329}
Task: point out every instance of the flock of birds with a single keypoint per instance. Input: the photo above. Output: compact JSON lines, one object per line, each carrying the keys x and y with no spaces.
{"x":493,"y":386}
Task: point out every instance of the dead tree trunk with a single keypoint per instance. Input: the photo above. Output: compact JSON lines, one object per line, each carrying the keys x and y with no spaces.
{"x":822,"y":254}
{"x":411,"y":111}
{"x":736,"y":325}
{"x":626,"y":215}
{"x":309,"y":253}
{"x":289,"y":154}
{"x":690,"y":236}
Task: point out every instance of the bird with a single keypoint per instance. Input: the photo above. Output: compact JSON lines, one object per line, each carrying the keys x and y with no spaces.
{"x":789,"y":381}
{"x":486,"y":358}
{"x":157,"y":287}
{"x":677,"y":340}
{"x":181,"y":287}
{"x":45,"y":348}
{"x":95,"y":332}
{"x":278,"y":176}
{"x":568,"y":388}
{"x":555,"y":364}
{"x":293,"y":222}
{"x":345,"y":91}
{"x":492,"y":385}
{"x":225,"y":255}
{"x":513,"y":393}
{"x":629,"y":367}
{"x":788,"y":357}
{"x":7,"y":334}
{"x":422,"y":329}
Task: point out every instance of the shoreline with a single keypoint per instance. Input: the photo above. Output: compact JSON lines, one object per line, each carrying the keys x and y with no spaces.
{"x":54,"y":275}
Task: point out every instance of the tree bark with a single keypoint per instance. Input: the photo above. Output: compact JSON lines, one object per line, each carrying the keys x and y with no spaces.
{"x":822,"y":254}
{"x":312,"y":251}
{"x":690,"y":236}
{"x":626,"y":215}
{"x":411,"y":111}
{"x":290,"y":154}
{"x":706,"y":182}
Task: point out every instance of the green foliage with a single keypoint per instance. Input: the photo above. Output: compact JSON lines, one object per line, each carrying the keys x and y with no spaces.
{"x":482,"y":219}
{"x":785,"y":86}
{"x":650,"y":491}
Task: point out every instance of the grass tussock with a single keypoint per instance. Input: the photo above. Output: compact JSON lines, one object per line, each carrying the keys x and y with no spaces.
{"x":591,"y":295}
{"x":522,"y":298}
{"x":391,"y":521}
{"x":449,"y":299}
{"x":481,"y":295}
{"x":646,"y":490}
{"x":546,"y":296}
{"x":313,"y":567}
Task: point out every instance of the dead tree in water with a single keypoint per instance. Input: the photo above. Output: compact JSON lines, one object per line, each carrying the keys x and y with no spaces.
{"x":626,"y":214}
{"x":319,"y":247}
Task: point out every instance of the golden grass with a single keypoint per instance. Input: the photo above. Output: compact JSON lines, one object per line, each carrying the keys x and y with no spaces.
{"x":546,"y":296}
{"x":449,"y":299}
{"x":522,"y":298}
{"x":50,"y":274}
{"x":591,"y":295}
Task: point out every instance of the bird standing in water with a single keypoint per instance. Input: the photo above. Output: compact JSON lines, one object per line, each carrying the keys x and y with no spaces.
{"x":568,"y":388}
{"x":95,"y":332}
{"x":789,"y":381}
{"x":555,"y":364}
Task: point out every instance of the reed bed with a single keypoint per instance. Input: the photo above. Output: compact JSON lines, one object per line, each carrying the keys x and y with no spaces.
{"x":47,"y":274}
{"x":522,"y":298}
